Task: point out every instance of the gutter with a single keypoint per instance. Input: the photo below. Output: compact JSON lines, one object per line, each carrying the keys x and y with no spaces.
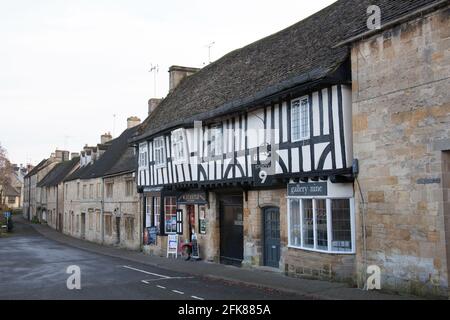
{"x":390,"y":24}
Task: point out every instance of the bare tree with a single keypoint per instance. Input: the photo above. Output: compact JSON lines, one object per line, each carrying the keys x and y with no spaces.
{"x":5,"y":173}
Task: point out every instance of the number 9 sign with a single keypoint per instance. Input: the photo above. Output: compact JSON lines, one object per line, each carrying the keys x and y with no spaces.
{"x":263,"y":176}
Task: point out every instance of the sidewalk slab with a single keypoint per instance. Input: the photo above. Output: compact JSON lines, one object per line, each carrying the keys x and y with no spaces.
{"x":313,"y":289}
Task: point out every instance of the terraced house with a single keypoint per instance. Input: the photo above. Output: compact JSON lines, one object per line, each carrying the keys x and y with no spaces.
{"x":101,"y":204}
{"x":318,"y":151}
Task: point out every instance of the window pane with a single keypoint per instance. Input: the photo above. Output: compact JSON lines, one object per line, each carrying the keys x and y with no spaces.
{"x":304,"y":119}
{"x":308,"y":224}
{"x":321,"y":224}
{"x":295,"y":223}
{"x":170,"y":214}
{"x":295,"y":120}
{"x":341,"y":225}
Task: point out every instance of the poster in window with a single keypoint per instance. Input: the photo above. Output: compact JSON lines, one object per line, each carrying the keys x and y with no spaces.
{"x":202,"y":220}
{"x":152,"y":235}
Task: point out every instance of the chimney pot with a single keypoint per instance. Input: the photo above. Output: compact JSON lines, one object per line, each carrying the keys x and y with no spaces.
{"x":153,"y":104}
{"x":104,"y":138}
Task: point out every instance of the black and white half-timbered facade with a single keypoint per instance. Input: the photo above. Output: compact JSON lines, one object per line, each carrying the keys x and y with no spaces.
{"x":251,"y":157}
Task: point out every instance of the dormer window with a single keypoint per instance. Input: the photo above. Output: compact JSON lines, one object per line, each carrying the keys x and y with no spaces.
{"x":179,"y":145}
{"x":300,"y":119}
{"x":160,"y":152}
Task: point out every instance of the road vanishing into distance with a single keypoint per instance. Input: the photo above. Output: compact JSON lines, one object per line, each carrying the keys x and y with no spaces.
{"x":34,"y":267}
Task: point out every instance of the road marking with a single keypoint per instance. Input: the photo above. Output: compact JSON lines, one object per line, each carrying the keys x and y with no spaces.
{"x":161,"y":287}
{"x":170,"y":278}
{"x":198,"y":298}
{"x":146,"y":272}
{"x":146,"y":282}
{"x":176,"y":291}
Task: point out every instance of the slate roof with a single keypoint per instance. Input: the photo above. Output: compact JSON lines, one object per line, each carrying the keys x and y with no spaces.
{"x":303,"y":53}
{"x":114,"y":159}
{"x":58,"y":173}
{"x":36,"y":169}
{"x":10,"y":191}
{"x":126,"y":163}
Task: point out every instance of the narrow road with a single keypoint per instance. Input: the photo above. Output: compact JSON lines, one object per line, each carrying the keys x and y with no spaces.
{"x":34,"y":267}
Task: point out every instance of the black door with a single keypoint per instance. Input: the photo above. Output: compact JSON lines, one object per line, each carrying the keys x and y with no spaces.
{"x":271,"y":237}
{"x":231,"y":230}
{"x":118,"y":229}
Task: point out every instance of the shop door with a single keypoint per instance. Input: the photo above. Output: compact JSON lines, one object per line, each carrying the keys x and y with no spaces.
{"x":231,"y":230}
{"x":271,"y":237}
{"x":191,"y":220}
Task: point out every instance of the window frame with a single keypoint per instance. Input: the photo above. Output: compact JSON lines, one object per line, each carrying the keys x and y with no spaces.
{"x":162,"y":150}
{"x":174,"y":214}
{"x":329,"y":224}
{"x":308,"y":136}
{"x":176,"y":144}
{"x":215,"y":131}
{"x":143,"y":156}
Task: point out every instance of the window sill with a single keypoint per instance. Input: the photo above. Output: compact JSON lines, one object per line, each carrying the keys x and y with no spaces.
{"x":322,"y":251}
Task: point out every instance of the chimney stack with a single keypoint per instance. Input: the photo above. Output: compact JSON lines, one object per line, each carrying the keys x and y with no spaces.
{"x":74,"y":155}
{"x":104,"y":138}
{"x":152,"y":104}
{"x":178,"y":74}
{"x":61,"y":155}
{"x":133,"y":122}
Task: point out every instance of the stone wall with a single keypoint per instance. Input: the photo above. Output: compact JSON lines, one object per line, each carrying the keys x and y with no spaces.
{"x":401,"y":109}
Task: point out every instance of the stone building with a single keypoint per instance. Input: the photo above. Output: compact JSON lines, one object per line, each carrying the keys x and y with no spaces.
{"x":401,"y":130}
{"x":32,"y":200}
{"x":52,"y":190}
{"x":351,"y":168}
{"x":101,"y":203}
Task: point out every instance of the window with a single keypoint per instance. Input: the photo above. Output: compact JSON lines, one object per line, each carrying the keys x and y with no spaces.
{"x":129,"y":187}
{"x":84,"y":191}
{"x":170,"y":214}
{"x":108,"y":224}
{"x":148,"y":212}
{"x":11,"y":200}
{"x":91,"y":191}
{"x":78,"y":191}
{"x":91,"y":220}
{"x":321,"y":225}
{"x":129,"y":228}
{"x":178,"y":145}
{"x":215,"y":141}
{"x":66,"y":187}
{"x":98,"y":190}
{"x":160,"y":152}
{"x":300,"y":119}
{"x":97,"y":224}
{"x":157,"y":213}
{"x":143,"y":156}
{"x":109,"y":190}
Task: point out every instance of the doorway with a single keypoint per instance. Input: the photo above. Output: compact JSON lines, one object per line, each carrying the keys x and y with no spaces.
{"x":271,"y":227}
{"x":118,"y":229}
{"x":190,"y":209}
{"x":83,"y":225}
{"x":231,"y":229}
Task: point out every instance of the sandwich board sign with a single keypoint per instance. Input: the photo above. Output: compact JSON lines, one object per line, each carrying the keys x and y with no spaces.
{"x":172,"y":245}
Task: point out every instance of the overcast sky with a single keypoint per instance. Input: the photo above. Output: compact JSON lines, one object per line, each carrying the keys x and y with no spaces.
{"x":66,"y":67}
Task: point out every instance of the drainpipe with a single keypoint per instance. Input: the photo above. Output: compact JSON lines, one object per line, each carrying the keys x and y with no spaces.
{"x":102,"y":214}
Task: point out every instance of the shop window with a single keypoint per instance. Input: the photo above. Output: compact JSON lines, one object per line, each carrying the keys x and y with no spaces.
{"x":148,"y":211}
{"x":170,"y":215}
{"x":157,"y":213}
{"x":323,"y":225}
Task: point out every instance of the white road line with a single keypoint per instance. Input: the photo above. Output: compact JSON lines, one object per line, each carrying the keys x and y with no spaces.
{"x":146,"y":272}
{"x":176,"y":291}
{"x":146,"y":282}
{"x":170,"y":278}
{"x":161,"y":287}
{"x":198,"y":298}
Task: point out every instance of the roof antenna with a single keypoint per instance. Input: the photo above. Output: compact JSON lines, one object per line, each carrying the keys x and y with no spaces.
{"x":114,"y":125}
{"x":155,"y":70}
{"x":209,"y":46}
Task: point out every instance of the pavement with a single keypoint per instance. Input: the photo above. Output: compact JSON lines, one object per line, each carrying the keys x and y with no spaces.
{"x":37,"y":254}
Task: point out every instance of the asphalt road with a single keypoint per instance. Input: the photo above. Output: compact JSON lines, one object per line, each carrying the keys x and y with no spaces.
{"x":34,"y":267}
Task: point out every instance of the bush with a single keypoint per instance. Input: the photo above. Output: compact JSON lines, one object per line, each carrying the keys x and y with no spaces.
{"x":35,"y":220}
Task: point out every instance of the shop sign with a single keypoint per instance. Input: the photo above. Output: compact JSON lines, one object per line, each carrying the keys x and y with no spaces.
{"x":193,"y":197}
{"x":312,"y":189}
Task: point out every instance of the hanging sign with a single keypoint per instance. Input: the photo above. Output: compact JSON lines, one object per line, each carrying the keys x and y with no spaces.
{"x":307,"y":189}
{"x":193,"y":197}
{"x":172,"y":245}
